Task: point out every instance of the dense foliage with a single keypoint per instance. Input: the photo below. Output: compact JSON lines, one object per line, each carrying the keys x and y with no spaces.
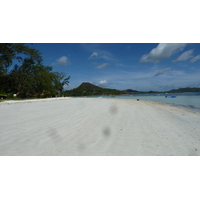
{"x":22,"y":73}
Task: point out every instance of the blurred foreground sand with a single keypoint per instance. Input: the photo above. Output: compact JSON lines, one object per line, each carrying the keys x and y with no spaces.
{"x":97,"y":126}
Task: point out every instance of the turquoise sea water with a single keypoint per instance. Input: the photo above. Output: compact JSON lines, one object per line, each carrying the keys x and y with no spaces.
{"x":187,"y":100}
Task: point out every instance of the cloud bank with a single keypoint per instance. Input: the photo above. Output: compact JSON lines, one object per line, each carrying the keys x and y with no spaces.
{"x":162,"y":51}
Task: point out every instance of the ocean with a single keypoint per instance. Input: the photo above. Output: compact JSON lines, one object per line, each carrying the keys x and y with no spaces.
{"x":189,"y":100}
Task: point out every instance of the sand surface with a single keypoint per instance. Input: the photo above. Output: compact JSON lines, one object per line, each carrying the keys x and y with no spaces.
{"x":97,"y":126}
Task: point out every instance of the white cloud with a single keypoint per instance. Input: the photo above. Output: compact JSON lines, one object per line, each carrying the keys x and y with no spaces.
{"x":103,"y":83}
{"x":162,"y":51}
{"x":102,"y":54}
{"x":62,"y":61}
{"x":106,"y":55}
{"x":94,"y":54}
{"x":195,"y":59}
{"x":102,"y":65}
{"x":163,"y":71}
{"x":184,"y":56}
{"x":146,"y":80}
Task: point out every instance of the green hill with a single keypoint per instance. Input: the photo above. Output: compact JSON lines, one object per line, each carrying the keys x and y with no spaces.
{"x":88,"y":89}
{"x":187,"y":89}
{"x":130,"y":91}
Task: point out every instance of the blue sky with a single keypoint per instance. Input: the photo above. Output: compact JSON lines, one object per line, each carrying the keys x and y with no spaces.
{"x":138,"y":66}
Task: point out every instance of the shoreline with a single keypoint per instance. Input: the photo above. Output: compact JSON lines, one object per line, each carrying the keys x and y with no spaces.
{"x":197,"y":110}
{"x":187,"y":108}
{"x":97,"y":127}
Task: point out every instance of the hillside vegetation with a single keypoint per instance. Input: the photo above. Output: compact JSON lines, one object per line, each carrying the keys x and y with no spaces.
{"x":187,"y":89}
{"x":88,"y":89}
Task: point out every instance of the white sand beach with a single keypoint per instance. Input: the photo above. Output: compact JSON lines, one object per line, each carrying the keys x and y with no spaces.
{"x":97,"y":127}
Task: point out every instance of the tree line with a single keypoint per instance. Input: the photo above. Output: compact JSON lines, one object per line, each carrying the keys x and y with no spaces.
{"x":29,"y":77}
